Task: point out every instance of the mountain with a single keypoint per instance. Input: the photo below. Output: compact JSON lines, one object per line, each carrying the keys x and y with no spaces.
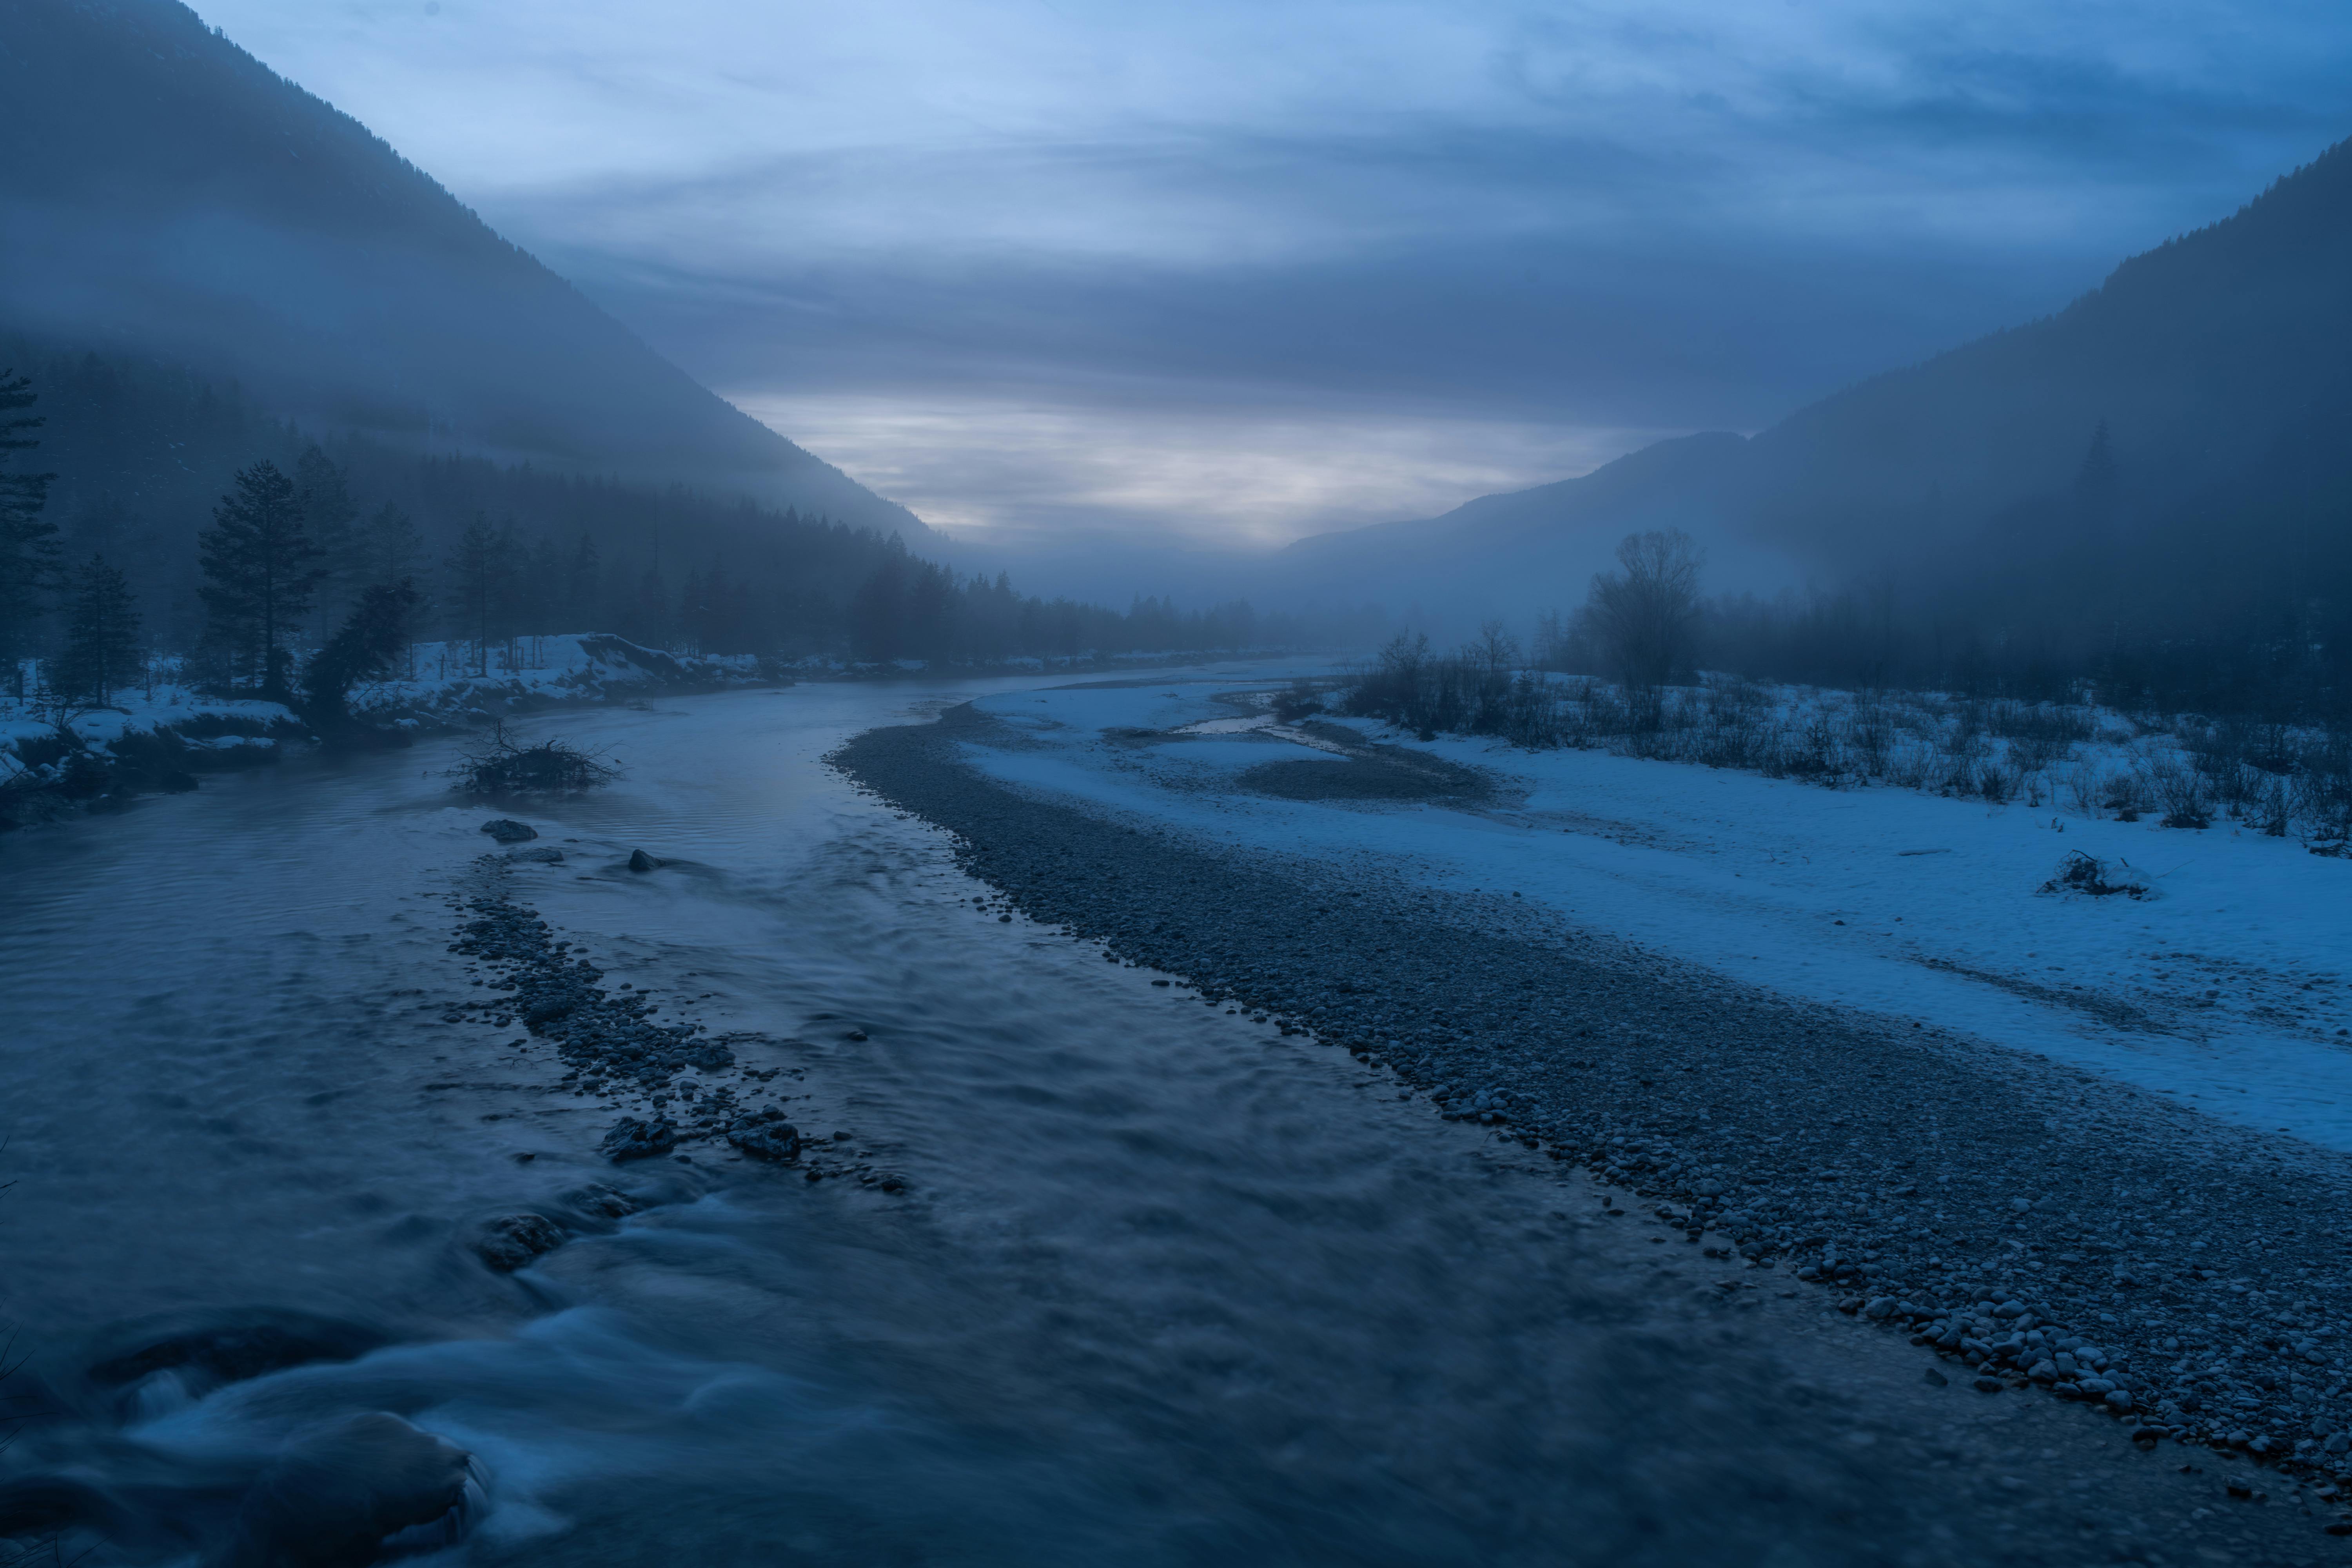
{"x":2220,"y":364}
{"x":166,"y":194}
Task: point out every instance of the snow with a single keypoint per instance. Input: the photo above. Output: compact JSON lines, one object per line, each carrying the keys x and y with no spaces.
{"x":436,"y":683}
{"x":2227,"y":991}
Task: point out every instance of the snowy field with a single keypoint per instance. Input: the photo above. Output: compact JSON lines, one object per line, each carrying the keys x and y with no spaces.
{"x":2226,"y":988}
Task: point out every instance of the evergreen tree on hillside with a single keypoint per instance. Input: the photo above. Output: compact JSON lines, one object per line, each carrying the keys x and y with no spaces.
{"x":2095,"y":485}
{"x":584,"y":590}
{"x":260,"y":570}
{"x":392,"y":550}
{"x":364,"y":648}
{"x":649,"y":617}
{"x":482,"y":574}
{"x":324,"y":493}
{"x":102,"y":646}
{"x":28,"y":540}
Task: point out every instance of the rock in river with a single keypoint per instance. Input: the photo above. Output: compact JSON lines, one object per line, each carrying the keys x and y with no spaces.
{"x":631,"y":1139}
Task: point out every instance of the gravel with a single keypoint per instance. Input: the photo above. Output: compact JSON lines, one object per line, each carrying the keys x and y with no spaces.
{"x":675,"y":1087}
{"x":2040,"y":1228}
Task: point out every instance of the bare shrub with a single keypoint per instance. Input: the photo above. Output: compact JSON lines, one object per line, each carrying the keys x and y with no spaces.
{"x":2086,"y":786}
{"x":1871,"y":735}
{"x":551,"y":766}
{"x":1300,"y":700}
{"x":1644,"y":615}
{"x":2180,"y":790}
{"x":2323,"y":787}
{"x":2123,"y":794}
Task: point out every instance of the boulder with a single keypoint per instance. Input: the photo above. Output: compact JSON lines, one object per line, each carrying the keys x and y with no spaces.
{"x":766,"y":1135}
{"x":506,"y":830}
{"x":357,"y":1491}
{"x":630,"y":1139}
{"x":509,"y":1242}
{"x":641,"y":861}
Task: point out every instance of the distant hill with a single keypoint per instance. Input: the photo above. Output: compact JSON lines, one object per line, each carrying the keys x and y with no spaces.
{"x":164,"y":194}
{"x":2219,"y":363}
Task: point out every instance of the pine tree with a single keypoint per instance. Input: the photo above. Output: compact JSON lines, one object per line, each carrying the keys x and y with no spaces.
{"x":481,"y":570}
{"x":362,"y":648}
{"x":583,"y":589}
{"x":102,"y":648}
{"x":2095,"y":485}
{"x":28,"y":551}
{"x":324,"y":494}
{"x":392,"y":551}
{"x":260,"y":570}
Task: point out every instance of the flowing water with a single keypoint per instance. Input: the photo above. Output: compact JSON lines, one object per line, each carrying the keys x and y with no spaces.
{"x":1166,"y":1288}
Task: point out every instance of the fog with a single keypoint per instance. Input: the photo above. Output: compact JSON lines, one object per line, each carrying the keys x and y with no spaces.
{"x":1450,"y":782}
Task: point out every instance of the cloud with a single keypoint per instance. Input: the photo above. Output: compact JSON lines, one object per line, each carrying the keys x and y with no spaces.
{"x":986,"y":248}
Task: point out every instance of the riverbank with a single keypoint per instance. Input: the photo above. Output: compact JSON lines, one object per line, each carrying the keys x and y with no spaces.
{"x":61,"y":762}
{"x":2030,"y":1226}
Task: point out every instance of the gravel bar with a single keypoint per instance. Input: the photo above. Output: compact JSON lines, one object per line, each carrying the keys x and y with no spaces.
{"x":2036,"y":1227}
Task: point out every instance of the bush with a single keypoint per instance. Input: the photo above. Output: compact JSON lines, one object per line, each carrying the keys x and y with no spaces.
{"x":1297,"y":702}
{"x":2180,"y":791}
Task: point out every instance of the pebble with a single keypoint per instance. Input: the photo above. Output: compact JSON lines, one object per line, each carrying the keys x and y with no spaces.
{"x":1877,"y":1161}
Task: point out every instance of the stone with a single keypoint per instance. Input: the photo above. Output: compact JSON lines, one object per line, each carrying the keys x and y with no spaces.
{"x":631,"y":1139}
{"x":2118,"y":1400}
{"x":509,"y":1242}
{"x":506,"y":830}
{"x":336,"y":1494}
{"x":641,"y":861}
{"x":766,"y":1135}
{"x":1987,"y":1385}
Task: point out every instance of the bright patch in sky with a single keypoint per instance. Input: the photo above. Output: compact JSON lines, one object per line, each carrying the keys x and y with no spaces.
{"x":1500,"y":238}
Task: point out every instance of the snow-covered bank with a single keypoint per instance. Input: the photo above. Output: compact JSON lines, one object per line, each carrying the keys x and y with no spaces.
{"x":2227,"y":991}
{"x":2030,"y":1221}
{"x":58,"y":760}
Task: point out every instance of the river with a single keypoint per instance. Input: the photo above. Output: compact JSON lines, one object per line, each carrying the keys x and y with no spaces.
{"x":1165,"y":1288}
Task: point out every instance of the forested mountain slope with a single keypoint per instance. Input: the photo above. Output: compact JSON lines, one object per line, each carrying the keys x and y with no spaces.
{"x":165,"y":194}
{"x":2220,"y":363}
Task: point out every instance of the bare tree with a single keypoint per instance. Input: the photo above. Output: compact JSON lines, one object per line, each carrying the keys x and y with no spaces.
{"x":1496,"y":652}
{"x":1643,"y":615}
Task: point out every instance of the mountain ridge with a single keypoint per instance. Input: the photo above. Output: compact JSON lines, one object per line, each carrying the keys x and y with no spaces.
{"x":147,"y":205}
{"x":2209,"y":358}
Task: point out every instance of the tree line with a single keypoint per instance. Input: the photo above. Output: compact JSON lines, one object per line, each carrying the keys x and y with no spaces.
{"x":312,"y":565}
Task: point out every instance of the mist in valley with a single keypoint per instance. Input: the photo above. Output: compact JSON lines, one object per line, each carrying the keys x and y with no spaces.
{"x":976,"y":783}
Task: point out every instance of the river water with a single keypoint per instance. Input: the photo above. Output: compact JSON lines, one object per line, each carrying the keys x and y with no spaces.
{"x":1165,"y":1288}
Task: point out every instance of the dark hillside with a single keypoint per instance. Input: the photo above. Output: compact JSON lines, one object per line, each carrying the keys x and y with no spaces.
{"x":166,"y":194}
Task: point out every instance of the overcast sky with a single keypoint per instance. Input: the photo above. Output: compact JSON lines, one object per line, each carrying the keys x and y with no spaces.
{"x":1247,"y":271}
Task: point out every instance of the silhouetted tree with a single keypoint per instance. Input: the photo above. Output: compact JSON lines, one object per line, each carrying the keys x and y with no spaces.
{"x":482,"y":571}
{"x":324,"y":493}
{"x":583,"y":589}
{"x":878,"y":614}
{"x":100,"y":654}
{"x":392,"y":551}
{"x":1643,"y":615}
{"x":28,"y":555}
{"x":260,"y":570}
{"x":364,"y":647}
{"x":2095,"y":485}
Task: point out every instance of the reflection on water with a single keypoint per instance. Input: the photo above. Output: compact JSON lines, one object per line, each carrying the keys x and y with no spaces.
{"x":1167,"y":1288}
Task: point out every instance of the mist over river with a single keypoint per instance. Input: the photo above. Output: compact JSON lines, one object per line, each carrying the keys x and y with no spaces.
{"x":1165,"y":1287}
